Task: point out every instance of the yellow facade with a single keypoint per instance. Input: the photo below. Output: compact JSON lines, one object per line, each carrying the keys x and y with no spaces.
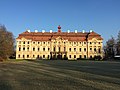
{"x":58,"y":47}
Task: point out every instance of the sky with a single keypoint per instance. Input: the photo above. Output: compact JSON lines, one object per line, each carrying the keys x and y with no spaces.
{"x":102,"y":16}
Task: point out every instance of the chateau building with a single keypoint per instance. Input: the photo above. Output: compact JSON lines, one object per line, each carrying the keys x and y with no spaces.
{"x":48,"y":45}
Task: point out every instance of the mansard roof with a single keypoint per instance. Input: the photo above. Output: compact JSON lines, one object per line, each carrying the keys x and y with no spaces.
{"x":47,"y":36}
{"x":71,"y":36}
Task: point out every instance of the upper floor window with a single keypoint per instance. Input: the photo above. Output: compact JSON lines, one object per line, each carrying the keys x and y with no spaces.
{"x":24,"y":42}
{"x":33,"y":49}
{"x":80,"y":49}
{"x":74,"y":42}
{"x":43,"y":49}
{"x":23,"y":48}
{"x":38,"y":42}
{"x":27,"y":48}
{"x":28,"y":42}
{"x":80,"y":42}
{"x":85,"y":49}
{"x":64,"y":49}
{"x":70,"y":49}
{"x":99,"y":42}
{"x":33,"y":42}
{"x":84,"y":42}
{"x":43,"y":42}
{"x":54,"y":49}
{"x":48,"y":49}
{"x":19,"y":48}
{"x":38,"y":49}
{"x":90,"y":49}
{"x":95,"y":49}
{"x":19,"y":42}
{"x":90,"y":42}
{"x":59,"y":49}
{"x":74,"y":49}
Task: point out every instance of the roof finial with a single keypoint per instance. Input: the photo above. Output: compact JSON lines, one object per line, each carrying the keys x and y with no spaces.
{"x":59,"y":28}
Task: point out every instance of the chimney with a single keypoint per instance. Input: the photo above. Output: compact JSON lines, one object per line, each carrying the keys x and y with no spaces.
{"x":36,"y":31}
{"x":83,"y":31}
{"x":91,"y":30}
{"x":43,"y":31}
{"x":75,"y":31}
{"x":50,"y":31}
{"x":68,"y":31}
{"x":28,"y":30}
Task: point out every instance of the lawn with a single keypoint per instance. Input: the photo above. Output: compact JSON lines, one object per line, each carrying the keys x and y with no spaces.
{"x":59,"y":75}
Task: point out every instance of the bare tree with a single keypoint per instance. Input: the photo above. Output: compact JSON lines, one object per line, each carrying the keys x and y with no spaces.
{"x":6,"y":43}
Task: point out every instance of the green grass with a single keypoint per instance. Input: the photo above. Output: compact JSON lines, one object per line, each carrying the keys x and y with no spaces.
{"x":59,"y":75}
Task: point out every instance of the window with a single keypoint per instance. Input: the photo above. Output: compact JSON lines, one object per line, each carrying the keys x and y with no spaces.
{"x":70,"y":49}
{"x":43,"y":56}
{"x":48,"y":56}
{"x":37,"y":56}
{"x":99,"y":42}
{"x":84,"y":56}
{"x":94,"y":42}
{"x":80,"y":42}
{"x":90,"y":49}
{"x":64,"y":42}
{"x":74,"y":56}
{"x":33,"y":42}
{"x":54,"y":49}
{"x":19,"y":56}
{"x":99,"y":50}
{"x":33,"y":49}
{"x":33,"y":56}
{"x":85,"y":49}
{"x":90,"y":42}
{"x":80,"y":49}
{"x":64,"y":49}
{"x":74,"y":49}
{"x":27,"y":48}
{"x":19,"y":42}
{"x":69,"y":56}
{"x":38,"y":42}
{"x":38,"y":49}
{"x":23,"y":48}
{"x":59,"y":49}
{"x":95,"y":50}
{"x":27,"y":56}
{"x":24,"y":42}
{"x":28,"y":42}
{"x":23,"y":56}
{"x":74,"y":42}
{"x":48,"y":49}
{"x":43,"y":49}
{"x":19,"y":48}
{"x":84,"y":42}
{"x":43,"y":42}
{"x":48,"y":42}
{"x":80,"y":56}
{"x":90,"y":57}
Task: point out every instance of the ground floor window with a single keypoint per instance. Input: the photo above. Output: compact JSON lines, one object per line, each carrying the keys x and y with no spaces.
{"x":90,"y":57}
{"x":19,"y":56}
{"x":48,"y":56}
{"x":80,"y":56}
{"x":69,"y":56}
{"x":43,"y":56}
{"x":84,"y":56}
{"x":23,"y":56}
{"x":33,"y":56}
{"x":74,"y":56}
{"x":27,"y":56}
